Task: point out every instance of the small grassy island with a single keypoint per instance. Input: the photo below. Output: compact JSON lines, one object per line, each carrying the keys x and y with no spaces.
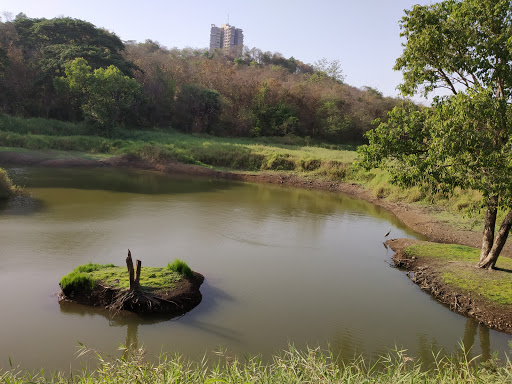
{"x":171,"y":290}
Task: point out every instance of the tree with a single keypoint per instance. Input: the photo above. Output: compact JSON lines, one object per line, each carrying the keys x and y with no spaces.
{"x":197,"y":108}
{"x":465,"y":139}
{"x":330,"y":68}
{"x":104,"y":95}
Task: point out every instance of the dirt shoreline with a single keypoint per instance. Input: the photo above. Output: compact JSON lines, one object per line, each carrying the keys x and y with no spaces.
{"x":427,"y":275}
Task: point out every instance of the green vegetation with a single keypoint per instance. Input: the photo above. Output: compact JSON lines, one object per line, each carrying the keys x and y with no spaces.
{"x":181,"y":267}
{"x":76,"y":280}
{"x":456,"y":266}
{"x":292,"y":366}
{"x":150,"y":277}
{"x":7,"y":189}
{"x":104,"y":95}
{"x":70,"y":70}
{"x":464,"y":140}
{"x":88,"y":275}
{"x":289,"y":154}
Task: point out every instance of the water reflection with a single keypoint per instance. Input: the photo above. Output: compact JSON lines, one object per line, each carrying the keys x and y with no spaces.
{"x":468,"y":341}
{"x":21,"y":205}
{"x":269,"y":200}
{"x":429,"y":350}
{"x":131,"y":321}
{"x":115,"y":180}
{"x":212,"y":298}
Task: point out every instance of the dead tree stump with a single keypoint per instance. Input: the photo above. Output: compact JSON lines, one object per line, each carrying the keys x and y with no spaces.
{"x":136,"y":283}
{"x":133,"y":275}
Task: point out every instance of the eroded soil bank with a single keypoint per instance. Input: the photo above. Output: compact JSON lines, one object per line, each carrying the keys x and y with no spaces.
{"x":426,"y":273}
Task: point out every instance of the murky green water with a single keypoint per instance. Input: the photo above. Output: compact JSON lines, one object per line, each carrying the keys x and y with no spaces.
{"x":282,"y":266}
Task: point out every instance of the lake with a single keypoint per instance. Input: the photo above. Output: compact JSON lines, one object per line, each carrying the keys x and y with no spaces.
{"x":282,"y":266}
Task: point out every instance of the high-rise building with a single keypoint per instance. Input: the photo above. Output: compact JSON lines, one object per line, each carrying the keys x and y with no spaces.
{"x":228,"y":38}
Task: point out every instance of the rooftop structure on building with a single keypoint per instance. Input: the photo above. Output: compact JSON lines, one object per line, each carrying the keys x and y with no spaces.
{"x":228,"y":38}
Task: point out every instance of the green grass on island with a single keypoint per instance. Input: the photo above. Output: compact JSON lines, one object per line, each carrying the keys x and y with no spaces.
{"x":151,"y":278}
{"x":457,"y":267}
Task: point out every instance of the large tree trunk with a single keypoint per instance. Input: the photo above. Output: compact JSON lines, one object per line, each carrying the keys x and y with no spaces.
{"x":489,"y":226}
{"x":490,"y":260}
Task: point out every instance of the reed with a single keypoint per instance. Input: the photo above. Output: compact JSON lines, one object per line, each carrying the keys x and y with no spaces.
{"x":291,"y":366}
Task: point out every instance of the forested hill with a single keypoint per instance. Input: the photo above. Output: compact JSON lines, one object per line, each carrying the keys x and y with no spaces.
{"x":68,"y":69}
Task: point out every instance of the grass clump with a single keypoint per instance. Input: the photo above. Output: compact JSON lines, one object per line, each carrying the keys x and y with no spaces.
{"x":180,"y":267}
{"x":91,"y":267}
{"x":76,"y":280}
{"x":80,"y":278}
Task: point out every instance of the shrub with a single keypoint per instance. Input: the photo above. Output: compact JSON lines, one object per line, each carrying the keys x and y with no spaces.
{"x":7,"y":189}
{"x":181,"y":267}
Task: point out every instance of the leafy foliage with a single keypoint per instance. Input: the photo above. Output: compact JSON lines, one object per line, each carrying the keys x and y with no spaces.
{"x":58,"y":41}
{"x":104,"y":95}
{"x":465,"y":139}
{"x":197,"y":109}
{"x":262,"y":93}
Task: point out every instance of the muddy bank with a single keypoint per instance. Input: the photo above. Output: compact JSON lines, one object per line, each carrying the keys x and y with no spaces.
{"x":426,"y":273}
{"x":169,"y":302}
{"x":416,"y":218}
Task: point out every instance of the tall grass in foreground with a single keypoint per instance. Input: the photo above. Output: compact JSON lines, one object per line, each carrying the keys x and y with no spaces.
{"x":292,"y":366}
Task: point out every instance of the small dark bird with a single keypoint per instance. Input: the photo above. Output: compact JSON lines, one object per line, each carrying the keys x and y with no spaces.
{"x":387,"y":234}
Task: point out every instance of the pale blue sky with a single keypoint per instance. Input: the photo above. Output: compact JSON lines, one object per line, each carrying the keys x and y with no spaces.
{"x":362,"y":34}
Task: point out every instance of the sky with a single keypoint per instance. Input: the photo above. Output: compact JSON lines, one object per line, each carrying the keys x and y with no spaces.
{"x":364,"y":35}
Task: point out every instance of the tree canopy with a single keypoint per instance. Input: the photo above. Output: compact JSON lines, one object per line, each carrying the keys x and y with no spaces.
{"x":58,"y":41}
{"x":104,"y":95}
{"x":260,"y":93}
{"x":464,"y":139}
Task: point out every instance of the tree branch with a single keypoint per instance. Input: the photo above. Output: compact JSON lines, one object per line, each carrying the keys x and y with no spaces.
{"x":448,"y":81}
